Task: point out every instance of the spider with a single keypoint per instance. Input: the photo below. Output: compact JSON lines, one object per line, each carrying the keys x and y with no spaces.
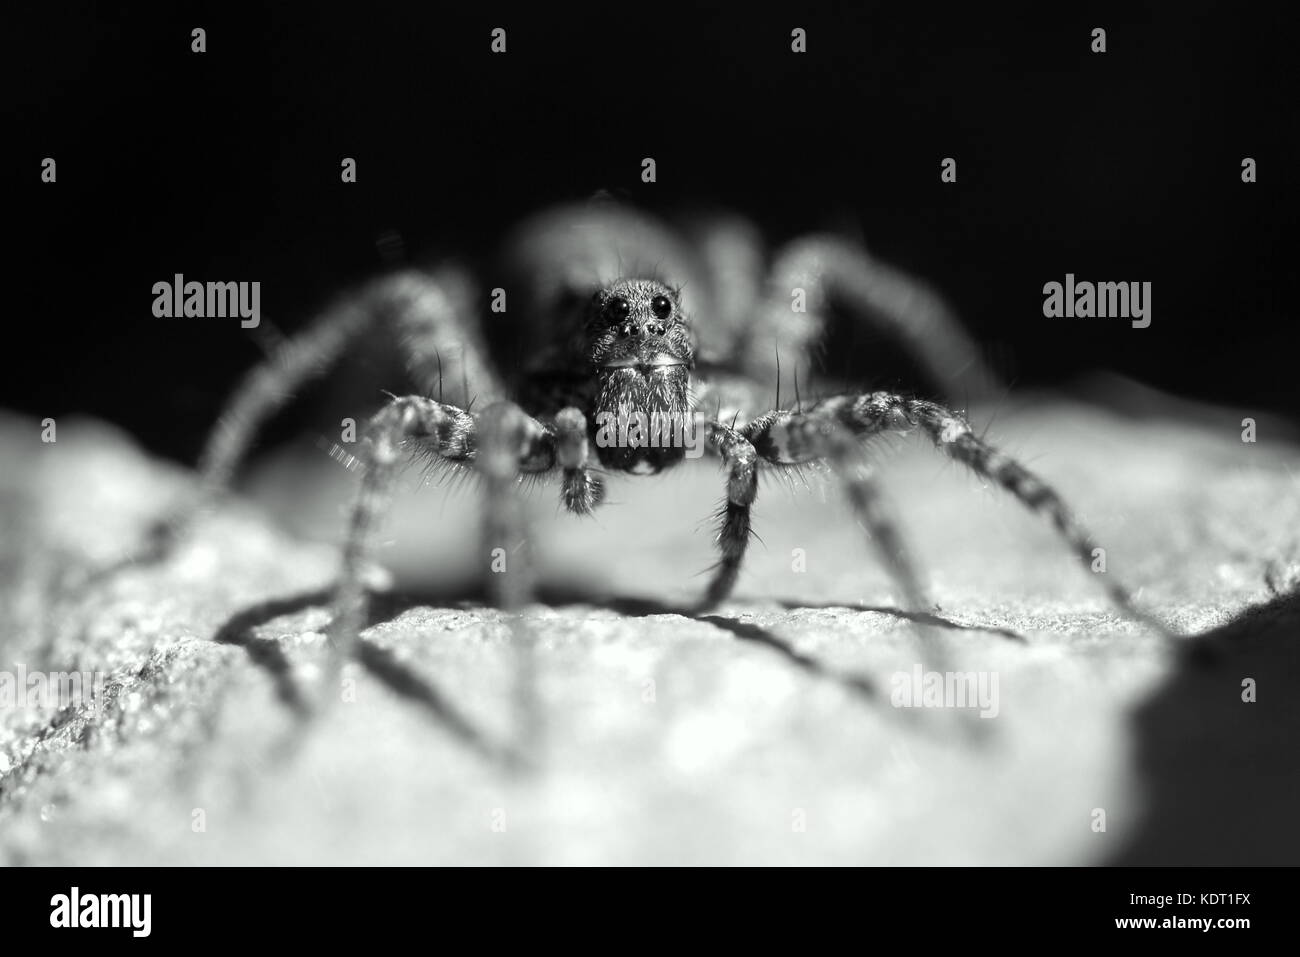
{"x":605,"y":335}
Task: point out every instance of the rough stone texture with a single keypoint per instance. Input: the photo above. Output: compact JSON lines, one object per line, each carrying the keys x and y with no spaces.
{"x":658,"y":737}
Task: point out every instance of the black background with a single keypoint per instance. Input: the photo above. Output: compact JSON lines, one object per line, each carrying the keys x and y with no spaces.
{"x":225,"y":165}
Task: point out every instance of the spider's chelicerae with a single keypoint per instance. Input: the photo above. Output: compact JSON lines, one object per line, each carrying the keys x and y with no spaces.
{"x":597,"y":344}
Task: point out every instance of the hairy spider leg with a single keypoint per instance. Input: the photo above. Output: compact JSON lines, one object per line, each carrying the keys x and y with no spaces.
{"x":742,"y":450}
{"x":794,"y":437}
{"x":501,"y":442}
{"x":425,"y":310}
{"x":909,"y":312}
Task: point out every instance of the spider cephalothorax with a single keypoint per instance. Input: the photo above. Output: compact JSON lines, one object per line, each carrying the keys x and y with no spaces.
{"x":629,"y":355}
{"x":641,"y":355}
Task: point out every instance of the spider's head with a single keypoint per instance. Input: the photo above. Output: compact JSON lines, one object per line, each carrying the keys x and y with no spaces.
{"x":641,"y":351}
{"x":637,"y":325}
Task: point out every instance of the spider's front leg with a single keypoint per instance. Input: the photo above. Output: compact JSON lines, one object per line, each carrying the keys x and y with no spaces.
{"x":501,"y":443}
{"x":580,"y":489}
{"x":741,"y":452}
{"x":794,"y":437}
{"x":741,"y":463}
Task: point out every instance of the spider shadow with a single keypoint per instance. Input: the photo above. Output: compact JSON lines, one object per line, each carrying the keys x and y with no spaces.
{"x":916,"y":618}
{"x":637,"y":607}
{"x":1221,"y":776}
{"x":268,"y":655}
{"x":856,"y":683}
{"x":641,"y":607}
{"x":380,"y":663}
{"x":409,"y":685}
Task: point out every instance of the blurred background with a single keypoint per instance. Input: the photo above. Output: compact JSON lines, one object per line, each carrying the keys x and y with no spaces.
{"x":1123,"y":166}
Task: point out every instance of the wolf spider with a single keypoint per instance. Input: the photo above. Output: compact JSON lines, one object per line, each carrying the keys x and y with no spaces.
{"x":631,"y":347}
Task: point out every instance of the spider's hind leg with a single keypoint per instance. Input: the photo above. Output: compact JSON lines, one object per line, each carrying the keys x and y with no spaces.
{"x":904,"y":309}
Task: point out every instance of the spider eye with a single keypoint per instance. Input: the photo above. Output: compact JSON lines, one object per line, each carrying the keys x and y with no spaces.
{"x":662,"y":307}
{"x":618,"y":308}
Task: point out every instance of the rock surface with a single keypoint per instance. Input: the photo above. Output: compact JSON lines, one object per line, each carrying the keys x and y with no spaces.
{"x":761,"y":733}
